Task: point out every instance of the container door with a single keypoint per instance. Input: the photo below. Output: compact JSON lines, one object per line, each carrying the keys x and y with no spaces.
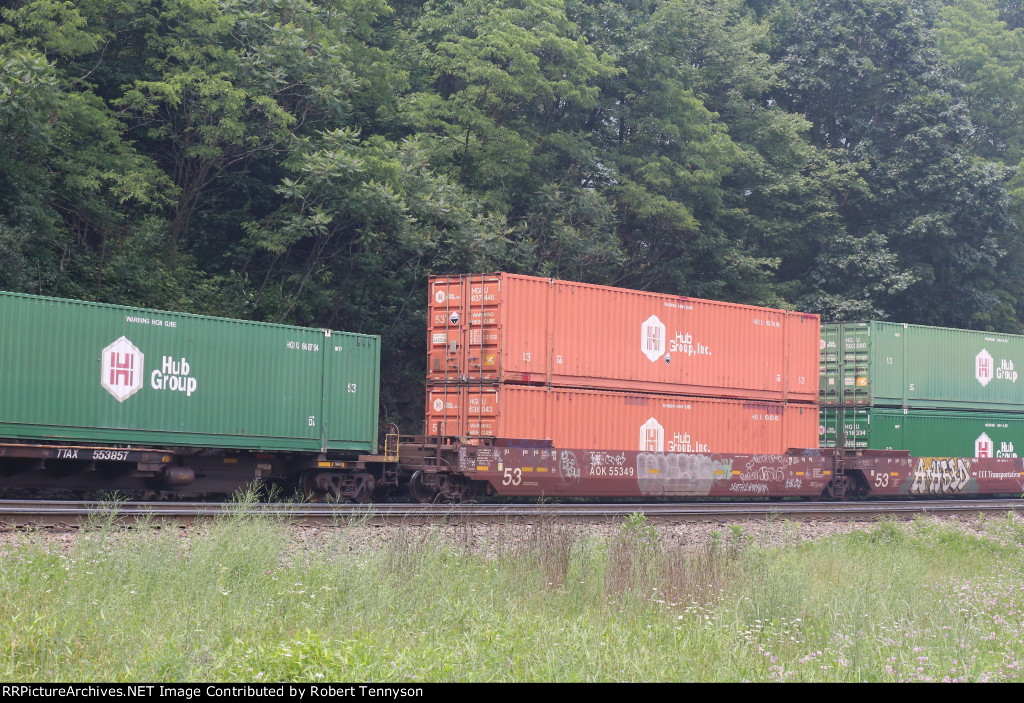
{"x":507,"y":330}
{"x":445,"y":324}
{"x":856,"y":352}
{"x":830,"y":369}
{"x":445,"y":416}
{"x":483,"y":328}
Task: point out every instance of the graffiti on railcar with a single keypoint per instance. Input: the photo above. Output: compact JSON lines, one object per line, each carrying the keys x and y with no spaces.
{"x":763,"y":473}
{"x":569,"y":469}
{"x":609,"y":465}
{"x":759,"y":469}
{"x":938,"y":476}
{"x":744,"y":488}
{"x":679,"y":474}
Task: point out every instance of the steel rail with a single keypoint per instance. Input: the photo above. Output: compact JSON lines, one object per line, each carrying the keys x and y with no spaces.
{"x":18,"y":513}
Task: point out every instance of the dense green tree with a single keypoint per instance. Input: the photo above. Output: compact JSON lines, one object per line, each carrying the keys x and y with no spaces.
{"x":1011,"y":12}
{"x":660,"y":154}
{"x":77,"y":201}
{"x":363,"y":223}
{"x":501,"y":93}
{"x":229,"y":86}
{"x":987,"y":59}
{"x":779,"y":195}
{"x":313,"y":161}
{"x":868,"y":76}
{"x":986,"y":56}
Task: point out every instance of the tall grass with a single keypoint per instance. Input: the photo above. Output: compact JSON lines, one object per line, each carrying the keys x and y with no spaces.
{"x":237,"y":601}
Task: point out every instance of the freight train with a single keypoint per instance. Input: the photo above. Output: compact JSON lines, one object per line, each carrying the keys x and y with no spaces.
{"x":535,"y":387}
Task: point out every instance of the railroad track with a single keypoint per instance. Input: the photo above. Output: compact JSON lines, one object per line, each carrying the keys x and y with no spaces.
{"x":15,"y":514}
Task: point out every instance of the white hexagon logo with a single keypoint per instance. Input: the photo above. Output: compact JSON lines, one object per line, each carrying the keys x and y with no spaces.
{"x":652,"y":338}
{"x":439,"y":295}
{"x":652,"y":436}
{"x":121,"y":369}
{"x":438,"y":405}
{"x":984,"y":367}
{"x":984,"y":447}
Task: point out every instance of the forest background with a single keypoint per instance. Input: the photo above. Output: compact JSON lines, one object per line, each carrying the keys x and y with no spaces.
{"x":313,"y":161}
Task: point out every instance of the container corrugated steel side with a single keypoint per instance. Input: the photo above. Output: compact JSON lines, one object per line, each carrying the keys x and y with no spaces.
{"x":521,"y":329}
{"x":89,"y":372}
{"x":608,"y":420}
{"x":924,"y":432}
{"x":899,"y":365}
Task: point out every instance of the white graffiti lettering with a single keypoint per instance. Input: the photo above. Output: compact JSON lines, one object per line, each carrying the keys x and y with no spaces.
{"x":761,"y":459}
{"x":679,"y":474}
{"x":763,"y":473}
{"x":935,"y":476}
{"x":603,"y":459}
{"x":748,"y":488}
{"x":568,"y":466}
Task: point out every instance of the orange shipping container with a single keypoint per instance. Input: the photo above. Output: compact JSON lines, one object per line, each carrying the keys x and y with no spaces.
{"x":520,"y":329}
{"x":593,"y":419}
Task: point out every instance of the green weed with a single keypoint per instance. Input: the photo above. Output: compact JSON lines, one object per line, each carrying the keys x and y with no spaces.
{"x":236,"y":600}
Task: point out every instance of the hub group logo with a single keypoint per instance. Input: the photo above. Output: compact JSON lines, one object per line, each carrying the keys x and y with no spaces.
{"x":652,"y":338}
{"x":121,"y":369}
{"x":986,"y":369}
{"x":652,"y":436}
{"x":983,"y":367}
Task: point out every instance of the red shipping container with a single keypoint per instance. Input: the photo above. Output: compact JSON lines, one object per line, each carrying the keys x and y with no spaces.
{"x":520,"y":329}
{"x":595,"y":419}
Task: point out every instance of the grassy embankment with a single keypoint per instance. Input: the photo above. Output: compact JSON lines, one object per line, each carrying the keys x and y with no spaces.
{"x":238,"y":602}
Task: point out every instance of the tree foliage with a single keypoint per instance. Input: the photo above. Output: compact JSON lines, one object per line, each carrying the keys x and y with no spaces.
{"x":313,"y":161}
{"x":868,"y":75}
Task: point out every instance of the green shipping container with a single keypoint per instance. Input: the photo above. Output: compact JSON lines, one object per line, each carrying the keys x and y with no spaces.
{"x":923,"y":432}
{"x":82,"y":372}
{"x":912,"y":366}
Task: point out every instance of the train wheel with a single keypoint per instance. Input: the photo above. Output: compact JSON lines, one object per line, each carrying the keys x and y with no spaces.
{"x":364,"y":488}
{"x":321,"y":486}
{"x":419,"y":491}
{"x":452,"y":488}
{"x":839,"y":488}
{"x":312,"y":487}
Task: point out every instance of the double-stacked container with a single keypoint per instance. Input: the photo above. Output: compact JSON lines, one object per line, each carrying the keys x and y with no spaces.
{"x":589,"y":366}
{"x":930,"y":390}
